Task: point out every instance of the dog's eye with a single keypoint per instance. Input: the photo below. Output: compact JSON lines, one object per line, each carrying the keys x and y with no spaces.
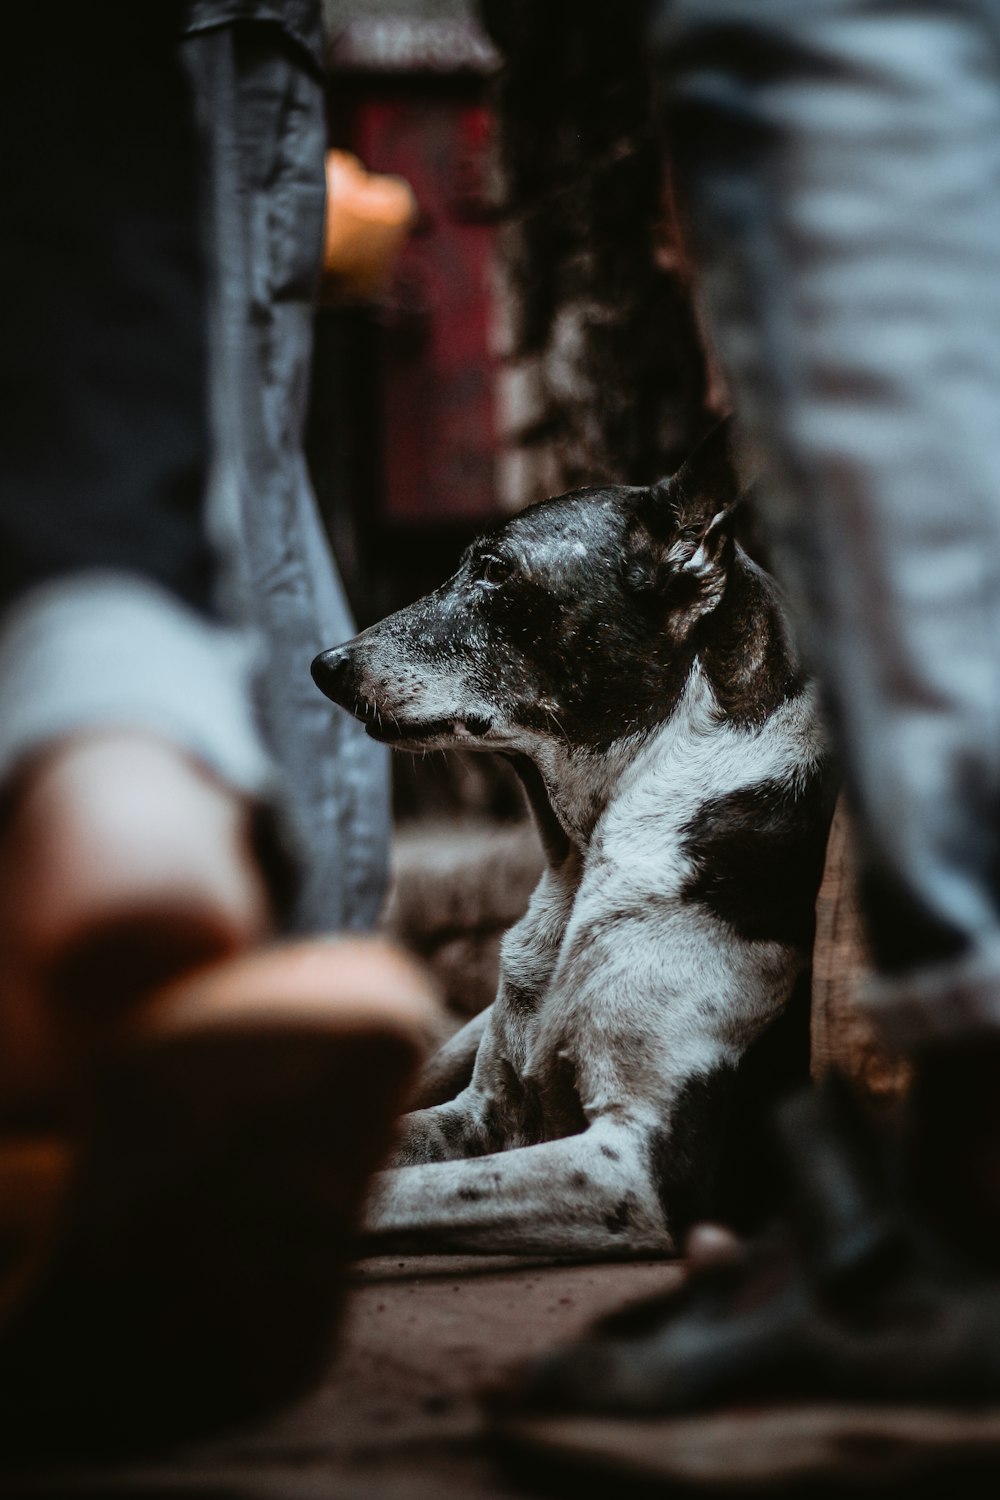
{"x":494,"y":570}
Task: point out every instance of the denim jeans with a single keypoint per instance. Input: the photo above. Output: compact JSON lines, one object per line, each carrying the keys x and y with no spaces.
{"x":840,"y":162}
{"x":260,"y":109}
{"x":162,"y":564}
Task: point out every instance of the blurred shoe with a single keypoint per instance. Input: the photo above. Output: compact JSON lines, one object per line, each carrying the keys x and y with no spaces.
{"x":854,"y":1319}
{"x":187,"y":1119}
{"x":188,"y":1274}
{"x":123,"y":864}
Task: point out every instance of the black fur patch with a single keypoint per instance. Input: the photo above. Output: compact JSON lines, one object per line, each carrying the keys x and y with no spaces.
{"x":715,"y":1158}
{"x":554,"y":839}
{"x":745,"y":653}
{"x":521,"y":999}
{"x":758,"y":857}
{"x":562,"y":1112}
{"x":748,"y":1187}
{"x":620,"y":1217}
{"x":683,"y":1157}
{"x":453,"y":1134}
{"x":565,"y":629}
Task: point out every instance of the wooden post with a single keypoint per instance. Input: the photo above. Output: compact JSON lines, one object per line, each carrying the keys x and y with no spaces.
{"x":842,"y":1035}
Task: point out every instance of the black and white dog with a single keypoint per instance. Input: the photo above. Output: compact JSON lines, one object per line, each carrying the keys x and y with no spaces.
{"x":634,"y":663}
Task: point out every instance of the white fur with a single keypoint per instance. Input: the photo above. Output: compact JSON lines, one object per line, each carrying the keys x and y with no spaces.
{"x":636,"y":991}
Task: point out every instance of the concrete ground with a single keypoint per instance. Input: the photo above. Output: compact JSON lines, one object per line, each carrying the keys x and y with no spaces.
{"x":397,"y":1417}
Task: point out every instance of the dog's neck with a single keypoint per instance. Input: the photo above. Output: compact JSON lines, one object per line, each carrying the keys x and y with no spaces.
{"x":556,"y":840}
{"x":568,"y":788}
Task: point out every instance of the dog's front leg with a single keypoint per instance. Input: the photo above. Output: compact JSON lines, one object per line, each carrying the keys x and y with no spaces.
{"x":442,"y":1132}
{"x":587,"y":1195}
{"x":450,"y":1069}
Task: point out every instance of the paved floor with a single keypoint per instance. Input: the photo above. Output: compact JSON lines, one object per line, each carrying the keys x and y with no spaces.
{"x":397,"y":1418}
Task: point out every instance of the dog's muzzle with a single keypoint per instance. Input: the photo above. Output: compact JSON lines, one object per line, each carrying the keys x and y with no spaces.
{"x":337,"y":675}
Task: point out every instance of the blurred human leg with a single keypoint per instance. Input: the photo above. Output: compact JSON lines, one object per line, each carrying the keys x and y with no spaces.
{"x":107,"y":618}
{"x":261,"y":118}
{"x":842,"y":166}
{"x":841,"y":163}
{"x":187,"y":1118}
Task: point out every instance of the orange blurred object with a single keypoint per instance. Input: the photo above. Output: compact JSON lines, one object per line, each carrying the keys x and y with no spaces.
{"x":368,"y":217}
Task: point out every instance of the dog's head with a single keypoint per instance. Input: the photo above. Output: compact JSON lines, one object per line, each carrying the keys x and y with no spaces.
{"x":576,"y":620}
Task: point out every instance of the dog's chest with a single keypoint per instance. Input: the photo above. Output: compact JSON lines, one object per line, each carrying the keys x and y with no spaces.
{"x":542,"y":1050}
{"x":539,"y":1101}
{"x":531,"y":1087}
{"x":539,"y":1043}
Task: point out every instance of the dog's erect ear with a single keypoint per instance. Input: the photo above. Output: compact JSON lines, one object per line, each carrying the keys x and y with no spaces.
{"x":680,"y":540}
{"x":708,"y":483}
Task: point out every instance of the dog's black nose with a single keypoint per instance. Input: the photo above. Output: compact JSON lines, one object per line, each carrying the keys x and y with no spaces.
{"x":333,"y":673}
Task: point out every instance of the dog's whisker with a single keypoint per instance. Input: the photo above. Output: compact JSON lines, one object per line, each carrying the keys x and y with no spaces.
{"x":556,"y":723}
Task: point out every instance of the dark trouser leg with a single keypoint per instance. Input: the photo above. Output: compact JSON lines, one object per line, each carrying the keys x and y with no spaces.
{"x":106,"y":574}
{"x":841,"y":160}
{"x":260,"y":109}
{"x":103,"y":440}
